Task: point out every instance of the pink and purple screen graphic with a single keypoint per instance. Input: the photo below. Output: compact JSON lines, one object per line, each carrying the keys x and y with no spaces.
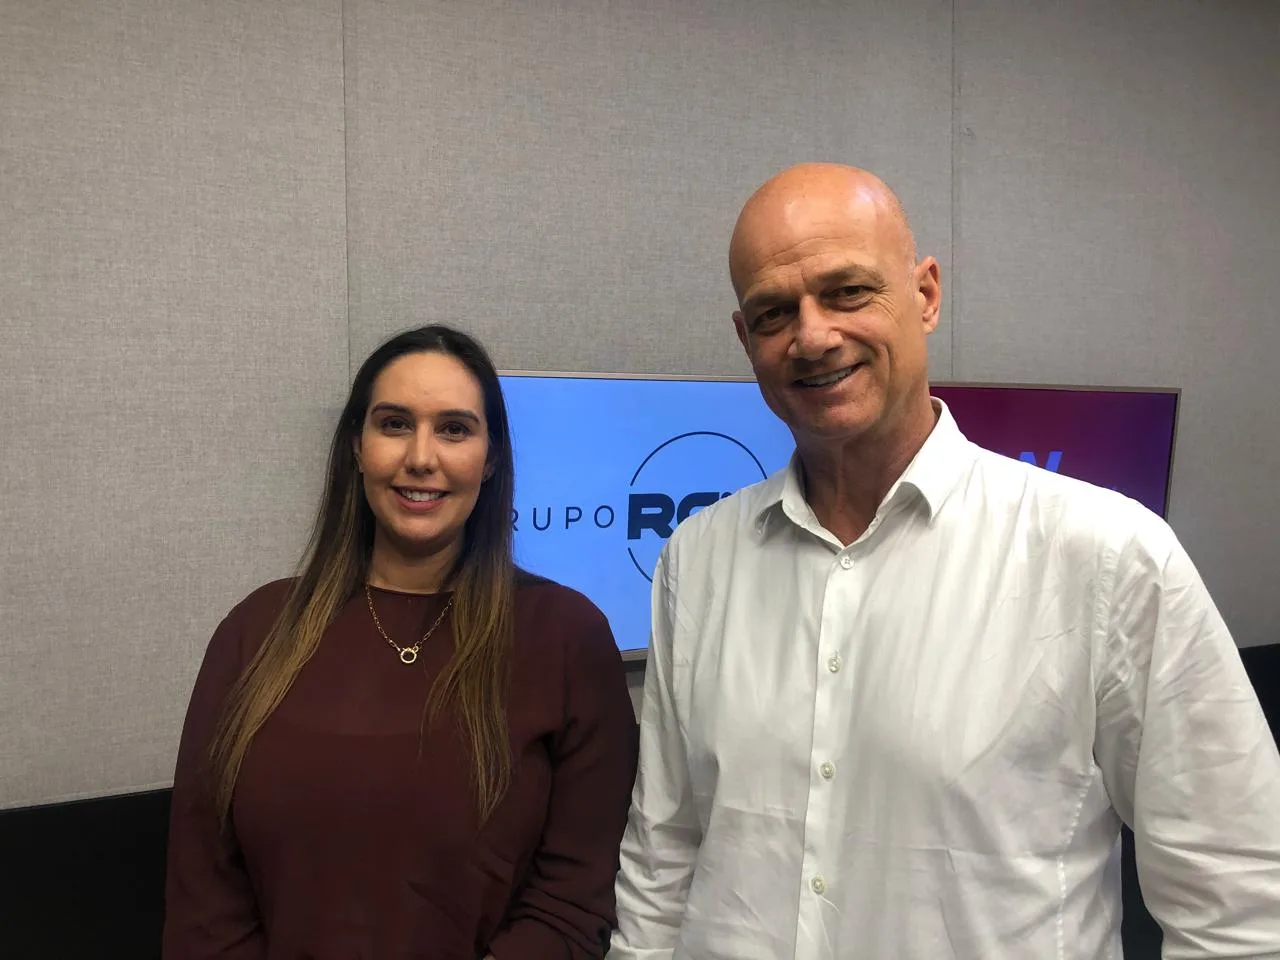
{"x":1120,"y":439}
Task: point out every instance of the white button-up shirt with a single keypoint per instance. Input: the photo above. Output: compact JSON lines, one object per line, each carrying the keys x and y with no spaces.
{"x":922,"y":745}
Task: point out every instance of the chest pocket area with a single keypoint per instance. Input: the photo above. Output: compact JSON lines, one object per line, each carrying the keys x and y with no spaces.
{"x":1003,"y":760}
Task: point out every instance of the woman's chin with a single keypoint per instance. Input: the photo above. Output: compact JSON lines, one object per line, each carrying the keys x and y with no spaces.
{"x":412,"y":542}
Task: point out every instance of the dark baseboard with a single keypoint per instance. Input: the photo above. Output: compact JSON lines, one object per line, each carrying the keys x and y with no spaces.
{"x":1263,"y":664}
{"x":86,"y":879}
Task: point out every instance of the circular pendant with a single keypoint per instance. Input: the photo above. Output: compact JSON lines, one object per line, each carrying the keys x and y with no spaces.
{"x":408,"y":655}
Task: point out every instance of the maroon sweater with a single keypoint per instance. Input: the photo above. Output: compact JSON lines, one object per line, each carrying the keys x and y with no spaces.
{"x":354,"y":838}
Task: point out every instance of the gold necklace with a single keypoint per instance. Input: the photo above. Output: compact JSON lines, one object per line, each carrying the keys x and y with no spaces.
{"x":407,"y":654}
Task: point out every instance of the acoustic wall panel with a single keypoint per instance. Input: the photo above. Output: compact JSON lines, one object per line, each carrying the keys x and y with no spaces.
{"x":1116,"y":211}
{"x":172,"y":313}
{"x":562,"y":177}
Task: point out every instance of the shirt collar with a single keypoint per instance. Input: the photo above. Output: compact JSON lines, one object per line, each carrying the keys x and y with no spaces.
{"x":931,"y":476}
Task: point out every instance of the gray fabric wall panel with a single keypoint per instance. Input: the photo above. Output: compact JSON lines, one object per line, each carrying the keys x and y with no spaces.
{"x":1117,"y":204}
{"x":185,"y":187}
{"x":562,"y":177}
{"x":172,"y":308}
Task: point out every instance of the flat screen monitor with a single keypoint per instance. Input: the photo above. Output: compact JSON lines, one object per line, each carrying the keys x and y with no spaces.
{"x":606,"y":466}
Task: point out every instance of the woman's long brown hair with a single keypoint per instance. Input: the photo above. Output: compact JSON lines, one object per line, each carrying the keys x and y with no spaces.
{"x":336,"y":564}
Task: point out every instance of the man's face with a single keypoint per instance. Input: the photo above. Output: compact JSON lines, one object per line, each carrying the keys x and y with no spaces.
{"x":834,"y":314}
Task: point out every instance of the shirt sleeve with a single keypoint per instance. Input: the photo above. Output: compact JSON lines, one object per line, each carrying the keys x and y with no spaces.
{"x":1188,"y":759}
{"x":660,"y":846}
{"x":210,"y":910}
{"x":566,"y":907}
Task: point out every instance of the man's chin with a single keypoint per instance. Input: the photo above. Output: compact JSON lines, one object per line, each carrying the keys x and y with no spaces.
{"x":832,"y":426}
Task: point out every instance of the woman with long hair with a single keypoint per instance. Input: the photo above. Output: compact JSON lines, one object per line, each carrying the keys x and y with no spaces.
{"x":412,"y":748}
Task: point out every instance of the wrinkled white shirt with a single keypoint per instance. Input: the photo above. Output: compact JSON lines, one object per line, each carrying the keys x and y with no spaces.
{"x":922,"y":745}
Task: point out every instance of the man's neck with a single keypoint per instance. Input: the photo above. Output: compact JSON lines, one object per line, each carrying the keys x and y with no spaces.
{"x":844,"y":484}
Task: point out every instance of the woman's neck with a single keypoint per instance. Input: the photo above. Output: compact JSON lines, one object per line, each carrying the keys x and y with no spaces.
{"x":393,"y":569}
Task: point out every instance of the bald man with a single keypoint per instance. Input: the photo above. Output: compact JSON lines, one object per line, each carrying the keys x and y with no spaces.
{"x":901,"y":695}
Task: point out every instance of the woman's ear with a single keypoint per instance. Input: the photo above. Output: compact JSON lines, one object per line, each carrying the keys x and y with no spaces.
{"x":355,"y":448}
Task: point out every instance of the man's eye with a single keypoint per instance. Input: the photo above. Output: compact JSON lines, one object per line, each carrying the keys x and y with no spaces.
{"x":851,"y":292}
{"x":766,"y":317}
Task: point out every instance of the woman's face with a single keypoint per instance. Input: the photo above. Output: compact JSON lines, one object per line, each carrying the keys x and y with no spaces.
{"x":424,"y":453}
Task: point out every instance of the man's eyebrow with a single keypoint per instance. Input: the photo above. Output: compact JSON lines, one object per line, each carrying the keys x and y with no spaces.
{"x":845,"y":276}
{"x":762,"y":298}
{"x":838,"y":276}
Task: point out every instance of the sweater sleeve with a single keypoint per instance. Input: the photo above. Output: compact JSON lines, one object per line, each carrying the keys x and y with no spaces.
{"x":566,"y":908}
{"x":210,"y":908}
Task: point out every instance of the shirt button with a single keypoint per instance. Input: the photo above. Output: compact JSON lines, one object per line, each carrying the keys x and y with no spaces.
{"x":846,"y":561}
{"x":827,"y":770}
{"x":834,"y":663}
{"x":818,"y":885}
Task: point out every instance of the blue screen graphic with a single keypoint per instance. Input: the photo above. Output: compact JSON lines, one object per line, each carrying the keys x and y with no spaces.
{"x":606,"y":467}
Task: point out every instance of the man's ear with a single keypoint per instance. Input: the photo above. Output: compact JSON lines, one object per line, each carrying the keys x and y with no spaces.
{"x":928,"y":282}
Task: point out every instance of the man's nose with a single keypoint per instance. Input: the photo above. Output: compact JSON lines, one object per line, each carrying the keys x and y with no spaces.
{"x":815,"y":333}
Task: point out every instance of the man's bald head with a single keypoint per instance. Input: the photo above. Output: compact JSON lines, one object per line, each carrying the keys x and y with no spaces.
{"x":834,"y":312}
{"x":811,"y":200}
